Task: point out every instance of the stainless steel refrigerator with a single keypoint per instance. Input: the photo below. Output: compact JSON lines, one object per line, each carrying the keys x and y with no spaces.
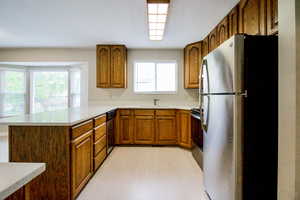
{"x":239,"y":90}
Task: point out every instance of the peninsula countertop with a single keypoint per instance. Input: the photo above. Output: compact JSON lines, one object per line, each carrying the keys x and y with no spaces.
{"x":72,"y":116}
{"x":16,"y":175}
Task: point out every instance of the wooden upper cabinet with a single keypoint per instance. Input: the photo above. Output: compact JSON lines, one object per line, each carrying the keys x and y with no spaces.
{"x":205,"y":49}
{"x":82,"y":161}
{"x":166,"y":130}
{"x":111,"y":66}
{"x":272,"y":16}
{"x":233,"y":19}
{"x":252,"y":17}
{"x":213,"y":40}
{"x":118,"y":69}
{"x":223,"y":31}
{"x":192,"y":63}
{"x":144,"y":132}
{"x":103,"y":66}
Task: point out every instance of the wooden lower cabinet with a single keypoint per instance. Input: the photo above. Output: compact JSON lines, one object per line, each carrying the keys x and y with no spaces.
{"x":154,"y":127}
{"x":125,"y":125}
{"x":144,"y":130}
{"x":21,"y":194}
{"x":82,"y":162}
{"x":184,"y":128}
{"x":166,"y":130}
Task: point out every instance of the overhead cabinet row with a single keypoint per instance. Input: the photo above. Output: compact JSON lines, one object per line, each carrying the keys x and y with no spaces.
{"x":252,"y":17}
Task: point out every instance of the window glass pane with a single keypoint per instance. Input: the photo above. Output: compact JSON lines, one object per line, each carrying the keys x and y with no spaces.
{"x":166,"y":77}
{"x":14,"y":82}
{"x":13,"y":94}
{"x":145,"y":77}
{"x":13,"y":104}
{"x":50,"y":91}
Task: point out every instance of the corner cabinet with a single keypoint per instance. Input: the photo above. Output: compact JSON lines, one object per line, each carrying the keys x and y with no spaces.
{"x":192,"y":63}
{"x":111,"y":63}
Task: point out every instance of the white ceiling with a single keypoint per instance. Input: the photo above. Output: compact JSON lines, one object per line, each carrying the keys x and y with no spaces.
{"x":85,"y":23}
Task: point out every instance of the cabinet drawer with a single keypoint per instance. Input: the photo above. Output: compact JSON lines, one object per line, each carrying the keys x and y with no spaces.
{"x":99,"y":145}
{"x":99,"y":132}
{"x":99,"y":158}
{"x":165,"y":112}
{"x":144,"y":112}
{"x":80,"y":129}
{"x":124,"y":112}
{"x":100,"y":120}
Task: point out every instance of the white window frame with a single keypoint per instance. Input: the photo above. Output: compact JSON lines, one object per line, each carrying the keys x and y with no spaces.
{"x":28,"y":70}
{"x":156,"y":62}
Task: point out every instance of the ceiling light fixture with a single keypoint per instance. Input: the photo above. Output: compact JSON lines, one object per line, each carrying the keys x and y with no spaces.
{"x":157,"y":18}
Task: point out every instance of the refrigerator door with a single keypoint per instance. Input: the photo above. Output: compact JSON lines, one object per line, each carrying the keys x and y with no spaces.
{"x":222,"y":68}
{"x":222,"y":147}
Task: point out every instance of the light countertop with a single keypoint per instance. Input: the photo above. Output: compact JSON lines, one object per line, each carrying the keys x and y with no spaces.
{"x":72,"y":116}
{"x":16,"y":175}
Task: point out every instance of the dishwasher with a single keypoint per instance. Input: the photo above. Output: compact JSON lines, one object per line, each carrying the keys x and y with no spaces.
{"x":110,"y":124}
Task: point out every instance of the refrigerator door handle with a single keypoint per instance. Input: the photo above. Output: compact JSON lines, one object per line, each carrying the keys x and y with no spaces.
{"x":204,"y":77}
{"x":205,"y":114}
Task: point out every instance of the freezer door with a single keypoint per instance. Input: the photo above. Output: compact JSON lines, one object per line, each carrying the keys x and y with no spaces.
{"x":223,"y":68}
{"x":222,"y":147}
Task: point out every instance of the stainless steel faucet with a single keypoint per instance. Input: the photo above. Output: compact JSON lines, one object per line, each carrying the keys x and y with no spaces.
{"x":155,"y":101}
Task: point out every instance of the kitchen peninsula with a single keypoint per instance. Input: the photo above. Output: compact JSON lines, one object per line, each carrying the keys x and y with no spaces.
{"x":73,"y":143}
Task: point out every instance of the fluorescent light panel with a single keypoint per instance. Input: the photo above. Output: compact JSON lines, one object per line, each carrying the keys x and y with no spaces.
{"x":157,"y":18}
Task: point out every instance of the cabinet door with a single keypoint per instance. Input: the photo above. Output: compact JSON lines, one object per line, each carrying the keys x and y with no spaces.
{"x":144,"y":131}
{"x":103,"y":66}
{"x":192,"y":64}
{"x":166,"y":130}
{"x":118,"y":66}
{"x":272,"y":16}
{"x":223,"y":30}
{"x":212,"y":40}
{"x":126,"y":130}
{"x":252,"y":17}
{"x":184,"y":129}
{"x":233,"y":19}
{"x":205,"y":49}
{"x":82,"y":161}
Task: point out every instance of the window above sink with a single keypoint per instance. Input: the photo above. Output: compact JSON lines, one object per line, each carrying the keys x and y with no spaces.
{"x":158,"y":77}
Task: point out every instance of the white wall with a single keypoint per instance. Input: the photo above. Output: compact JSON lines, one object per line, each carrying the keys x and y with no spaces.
{"x":97,"y":95}
{"x":289,"y":100}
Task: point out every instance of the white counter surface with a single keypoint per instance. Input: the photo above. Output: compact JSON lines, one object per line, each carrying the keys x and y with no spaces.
{"x":69,"y":117}
{"x":13,"y":176}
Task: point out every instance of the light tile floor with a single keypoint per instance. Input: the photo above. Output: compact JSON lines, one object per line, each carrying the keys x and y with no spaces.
{"x":146,"y":173}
